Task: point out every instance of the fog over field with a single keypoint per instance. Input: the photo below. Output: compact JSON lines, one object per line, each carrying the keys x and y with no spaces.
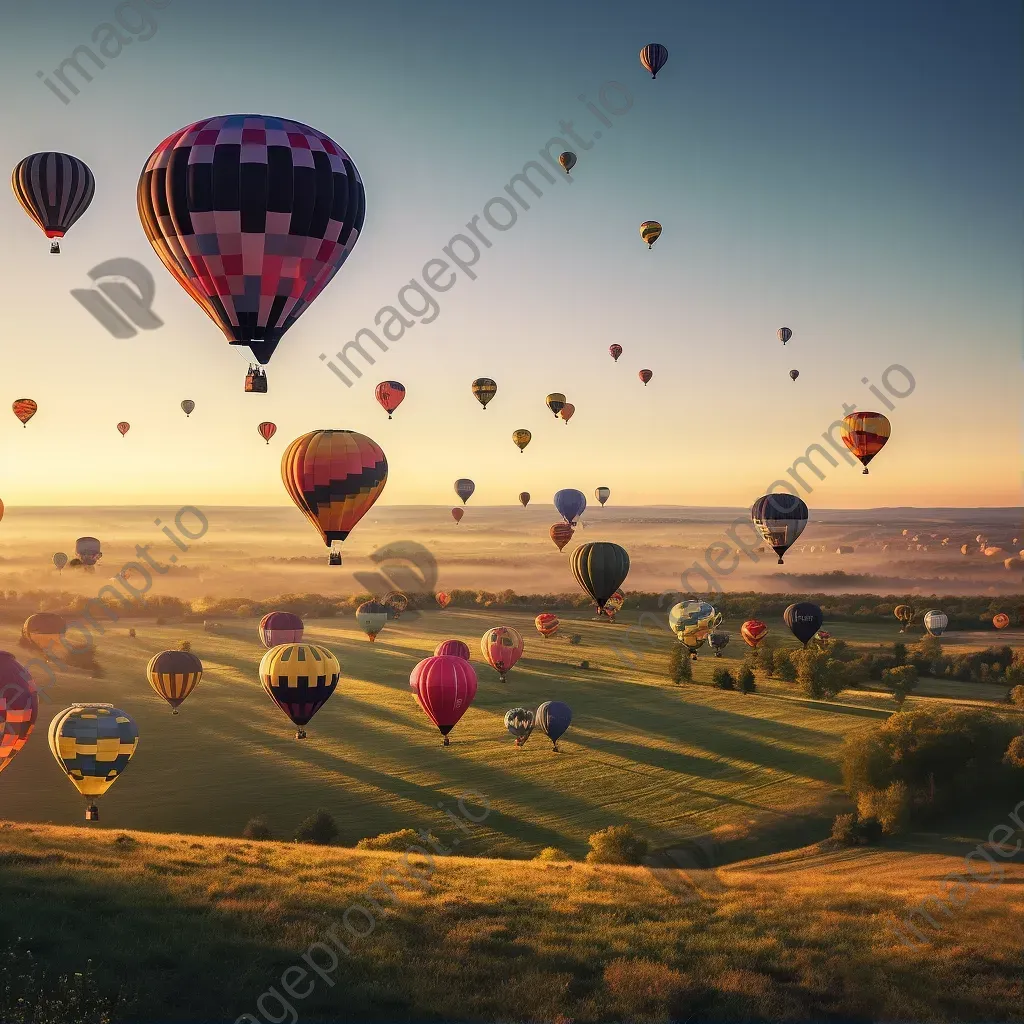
{"x":262,"y":552}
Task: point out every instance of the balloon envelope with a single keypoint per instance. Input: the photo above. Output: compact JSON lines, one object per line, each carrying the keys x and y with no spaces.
{"x":785,"y":334}
{"x":570,"y":504}
{"x":561,"y":534}
{"x":804,"y":620}
{"x":443,"y":599}
{"x":567,"y":160}
{"x":60,"y":560}
{"x":519,"y":722}
{"x":547,"y":624}
{"x":19,"y":706}
{"x":445,"y":687}
{"x":54,"y":189}
{"x":603,"y":494}
{"x":936,"y":622}
{"x":464,"y":489}
{"x":553,"y":718}
{"x":372,"y":616}
{"x":600,"y":568}
{"x":25,"y":409}
{"x":753,"y":631}
{"x":452,"y":648}
{"x":501,"y":647}
{"x":458,"y":513}
{"x":1001,"y":620}
{"x":299,"y":679}
{"x":93,"y":744}
{"x":555,"y":402}
{"x":615,"y":351}
{"x":484,"y":389}
{"x":390,"y":395}
{"x":267,"y":430}
{"x":187,"y":406}
{"x":865,"y":434}
{"x":524,"y":498}
{"x":654,"y":56}
{"x":280,"y":628}
{"x":780,"y":518}
{"x":174,"y":675}
{"x":650,"y":232}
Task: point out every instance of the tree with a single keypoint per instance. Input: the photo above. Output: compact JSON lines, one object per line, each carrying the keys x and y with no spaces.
{"x":820,"y":675}
{"x":1017,"y":695}
{"x":185,"y":645}
{"x":318,"y":828}
{"x":1015,"y":753}
{"x":785,"y":668}
{"x":679,"y":668}
{"x":891,"y":806}
{"x":722,"y":678}
{"x":618,"y":844}
{"x":746,"y":681}
{"x":257,"y":828}
{"x":903,"y":681}
{"x":899,"y":652}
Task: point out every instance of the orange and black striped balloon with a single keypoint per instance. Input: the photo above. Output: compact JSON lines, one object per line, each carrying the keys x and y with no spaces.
{"x":865,"y":434}
{"x":334,"y":477}
{"x":174,"y":675}
{"x":24,"y":409}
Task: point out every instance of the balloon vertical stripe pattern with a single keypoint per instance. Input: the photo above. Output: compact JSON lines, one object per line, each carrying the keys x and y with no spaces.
{"x":54,"y":189}
{"x":19,"y":706}
{"x":174,"y":675}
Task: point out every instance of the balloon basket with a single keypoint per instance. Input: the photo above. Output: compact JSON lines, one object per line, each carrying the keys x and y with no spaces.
{"x":92,"y":813}
{"x":54,"y":248}
{"x":446,"y":743}
{"x":301,"y":734}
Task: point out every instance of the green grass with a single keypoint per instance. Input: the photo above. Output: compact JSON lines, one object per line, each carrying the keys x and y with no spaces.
{"x":672,"y":761}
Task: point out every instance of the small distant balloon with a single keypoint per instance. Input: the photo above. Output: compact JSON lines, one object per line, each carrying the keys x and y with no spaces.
{"x":458,"y":513}
{"x":443,"y":599}
{"x":1001,"y":621}
{"x":484,"y":389}
{"x":645,"y":376}
{"x":60,"y":560}
{"x":865,"y":434}
{"x":654,"y":56}
{"x":650,"y":232}
{"x":793,"y":374}
{"x":615,"y":351}
{"x":464,"y":489}
{"x":603,"y":494}
{"x":568,"y":161}
{"x":521,"y":438}
{"x":123,"y":427}
{"x":390,"y":395}
{"x":567,"y":411}
{"x":561,"y":534}
{"x":187,"y":406}
{"x":267,"y":430}
{"x":785,"y":334}
{"x":555,"y":402}
{"x":524,"y":498}
{"x":25,"y":409}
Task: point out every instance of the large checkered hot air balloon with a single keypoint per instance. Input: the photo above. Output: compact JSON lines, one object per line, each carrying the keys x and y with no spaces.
{"x":19,"y":705}
{"x":253,"y":216}
{"x":334,"y":477}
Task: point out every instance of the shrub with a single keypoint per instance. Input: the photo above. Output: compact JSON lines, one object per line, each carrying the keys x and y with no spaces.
{"x":722,"y":678}
{"x":257,"y":828}
{"x":784,"y":667}
{"x":1017,"y":695}
{"x":185,"y":645}
{"x":551,"y":853}
{"x":679,"y":668}
{"x":318,"y":828}
{"x":575,"y":639}
{"x":845,"y":831}
{"x":819,"y":674}
{"x":903,"y":680}
{"x":890,"y":806}
{"x":585,"y":664}
{"x":1014,"y":756}
{"x":392,"y":842}
{"x":618,"y":844}
{"x":746,"y":681}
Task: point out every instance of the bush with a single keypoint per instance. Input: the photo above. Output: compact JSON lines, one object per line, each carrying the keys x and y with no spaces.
{"x":819,"y":674}
{"x":585,"y":664}
{"x":903,"y":680}
{"x":852,"y":830}
{"x":784,"y":668}
{"x":899,"y":652}
{"x":618,"y":844}
{"x":551,"y":853}
{"x":890,"y":806}
{"x":1017,"y":695}
{"x":185,"y":645}
{"x":391,"y":842}
{"x":722,"y":678}
{"x":746,"y":681}
{"x":257,"y":828}
{"x":679,"y":668}
{"x":1014,"y":756}
{"x":575,"y":639}
{"x":318,"y":828}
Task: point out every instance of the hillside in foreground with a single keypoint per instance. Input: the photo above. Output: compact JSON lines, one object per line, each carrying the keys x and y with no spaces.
{"x":203,"y":929}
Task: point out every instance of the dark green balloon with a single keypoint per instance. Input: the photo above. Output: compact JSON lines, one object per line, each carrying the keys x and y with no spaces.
{"x":600,"y":569}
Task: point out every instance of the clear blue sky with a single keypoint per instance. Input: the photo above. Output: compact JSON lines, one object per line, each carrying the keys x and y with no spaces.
{"x":851,"y":170}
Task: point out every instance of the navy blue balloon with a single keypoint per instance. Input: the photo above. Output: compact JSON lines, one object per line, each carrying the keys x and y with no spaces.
{"x":553,"y":718}
{"x":570,"y":504}
{"x":804,"y":620}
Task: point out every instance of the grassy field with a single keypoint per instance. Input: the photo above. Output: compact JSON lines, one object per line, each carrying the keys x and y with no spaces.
{"x":199,"y":929}
{"x":672,"y":761}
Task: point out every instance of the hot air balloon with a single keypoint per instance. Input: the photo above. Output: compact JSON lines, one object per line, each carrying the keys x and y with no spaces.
{"x":519,"y":722}
{"x":568,"y":161}
{"x":823,"y":636}
{"x":567,"y":410}
{"x":603,"y":494}
{"x":123,"y":427}
{"x":372,"y":616}
{"x":524,"y":498}
{"x":501,"y":647}
{"x":390,"y":394}
{"x":645,"y":376}
{"x":561,"y":534}
{"x":443,"y":599}
{"x":555,"y":402}
{"x":457,"y":514}
{"x":24,"y":409}
{"x":964,"y":549}
{"x":698,"y":617}
{"x":804,"y":620}
{"x":334,"y":477}
{"x":267,"y":430}
{"x":547,"y":624}
{"x":719,"y":642}
{"x":1001,"y":620}
{"x":905,"y":615}
{"x":654,"y":57}
{"x":614,"y":604}
{"x":865,"y":434}
{"x":650,"y":232}
{"x":615,"y":351}
{"x":780,"y":519}
{"x":54,"y":189}
{"x":600,"y":568}
{"x":553,"y":717}
{"x":187,"y":406}
{"x":936,"y":622}
{"x":570,"y":504}
{"x":521,"y":438}
{"x":452,"y":649}
{"x":785,"y":334}
{"x":793,"y":374}
{"x":397,"y":602}
{"x":174,"y":675}
{"x":299,"y":679}
{"x":692,"y":639}
{"x":93,"y":744}
{"x":278,"y":628}
{"x":445,"y":687}
{"x":19,"y":705}
{"x":88,"y":550}
{"x":253,"y":216}
{"x":60,"y":560}
{"x":484,"y":389}
{"x":45,"y":630}
{"x":464,"y":489}
{"x":753,"y":631}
